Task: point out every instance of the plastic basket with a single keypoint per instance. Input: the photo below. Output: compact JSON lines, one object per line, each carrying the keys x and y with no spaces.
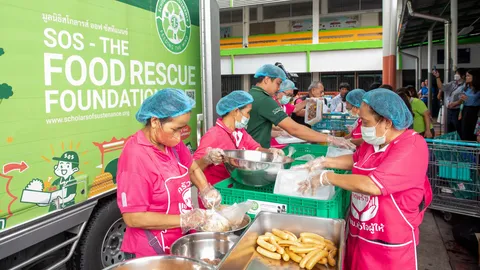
{"x":308,"y":149}
{"x":232,"y":192}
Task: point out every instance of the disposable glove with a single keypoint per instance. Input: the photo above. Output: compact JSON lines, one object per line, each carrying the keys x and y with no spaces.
{"x":214,"y":156}
{"x":315,"y":165}
{"x":340,"y":142}
{"x":210,"y":197}
{"x":313,"y":183}
{"x":278,"y":154}
{"x":194,"y":219}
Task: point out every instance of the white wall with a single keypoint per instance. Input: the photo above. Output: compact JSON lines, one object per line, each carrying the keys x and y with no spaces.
{"x":369,"y":19}
{"x":321,"y":61}
{"x":409,"y":63}
{"x":282,"y":27}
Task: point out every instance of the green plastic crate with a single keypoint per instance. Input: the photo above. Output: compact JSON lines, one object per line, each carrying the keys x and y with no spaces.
{"x":316,"y":150}
{"x":232,"y":192}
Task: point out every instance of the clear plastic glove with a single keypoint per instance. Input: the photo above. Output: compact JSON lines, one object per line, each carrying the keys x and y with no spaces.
{"x":278,"y":154}
{"x":350,"y":128}
{"x":214,"y":156}
{"x":194,"y":219}
{"x":340,"y":142}
{"x":313,"y":183}
{"x":210,"y":197}
{"x":315,"y":165}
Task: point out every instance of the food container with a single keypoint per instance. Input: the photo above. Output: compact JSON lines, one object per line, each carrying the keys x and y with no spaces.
{"x":244,"y":256}
{"x":161,"y":262}
{"x":204,"y":246}
{"x":313,"y":111}
{"x":254,"y":168}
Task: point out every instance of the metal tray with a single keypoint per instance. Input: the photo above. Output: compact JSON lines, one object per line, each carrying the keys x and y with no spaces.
{"x":243,"y":254}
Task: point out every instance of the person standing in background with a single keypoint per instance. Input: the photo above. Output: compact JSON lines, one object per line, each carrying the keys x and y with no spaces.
{"x":452,"y":91}
{"x":337,"y":100}
{"x":470,"y":103}
{"x":423,"y":93}
{"x":315,"y":90}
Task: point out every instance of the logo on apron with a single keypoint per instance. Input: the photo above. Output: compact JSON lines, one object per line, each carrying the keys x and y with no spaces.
{"x":186,"y":205}
{"x":364,"y":207}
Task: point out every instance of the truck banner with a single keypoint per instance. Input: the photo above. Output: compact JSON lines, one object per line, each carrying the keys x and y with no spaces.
{"x":72,"y":76}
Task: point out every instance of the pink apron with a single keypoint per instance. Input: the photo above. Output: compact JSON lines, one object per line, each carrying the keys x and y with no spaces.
{"x":179,"y":202}
{"x":379,"y":235}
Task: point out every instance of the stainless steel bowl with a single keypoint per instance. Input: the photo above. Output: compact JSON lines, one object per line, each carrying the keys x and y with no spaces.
{"x":204,"y":245}
{"x":245,"y":222}
{"x":254,"y":168}
{"x":161,"y":262}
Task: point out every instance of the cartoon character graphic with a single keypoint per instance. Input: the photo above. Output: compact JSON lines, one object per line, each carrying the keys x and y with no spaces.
{"x":68,"y":165}
{"x":62,"y":191}
{"x":187,"y":201}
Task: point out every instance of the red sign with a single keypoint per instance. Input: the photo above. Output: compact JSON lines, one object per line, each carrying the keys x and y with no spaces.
{"x":185,"y":132}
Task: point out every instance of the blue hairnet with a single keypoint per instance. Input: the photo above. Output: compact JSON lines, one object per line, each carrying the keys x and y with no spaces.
{"x":232,"y":101}
{"x":355,"y":96}
{"x":287,"y":85}
{"x":389,"y":105}
{"x":271,"y":71}
{"x":165,"y":103}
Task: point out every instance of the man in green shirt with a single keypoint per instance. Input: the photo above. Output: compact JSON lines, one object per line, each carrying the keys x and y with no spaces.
{"x":266,"y":112}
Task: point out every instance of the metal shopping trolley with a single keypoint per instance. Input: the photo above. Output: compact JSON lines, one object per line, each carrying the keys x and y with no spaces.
{"x":454,"y":174}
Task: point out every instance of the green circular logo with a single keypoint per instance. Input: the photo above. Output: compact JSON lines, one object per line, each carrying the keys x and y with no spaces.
{"x":173,"y":24}
{"x":255,"y":206}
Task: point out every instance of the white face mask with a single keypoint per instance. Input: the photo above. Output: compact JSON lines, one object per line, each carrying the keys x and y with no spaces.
{"x":456,"y":77}
{"x":369,"y":135}
{"x":243,"y":123}
{"x":351,"y":113}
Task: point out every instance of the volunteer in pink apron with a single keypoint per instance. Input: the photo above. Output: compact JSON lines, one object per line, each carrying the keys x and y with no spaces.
{"x":228,"y":134}
{"x":354,"y":100}
{"x":283,"y":98}
{"x":155,"y":172}
{"x":390,"y":189}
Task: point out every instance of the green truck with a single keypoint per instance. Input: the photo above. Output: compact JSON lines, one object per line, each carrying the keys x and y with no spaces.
{"x":73,"y":73}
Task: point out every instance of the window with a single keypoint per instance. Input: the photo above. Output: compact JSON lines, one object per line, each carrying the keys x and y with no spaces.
{"x":276,"y":12}
{"x":253,"y":13}
{"x":303,"y":81}
{"x":332,"y":81}
{"x":343,"y":5}
{"x":225,"y":16}
{"x":366,"y":79}
{"x":370,"y":4}
{"x":302,"y":9}
{"x":236,"y":15}
{"x":231,"y":83}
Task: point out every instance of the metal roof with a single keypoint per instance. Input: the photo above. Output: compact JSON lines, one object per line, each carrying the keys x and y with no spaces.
{"x":414,"y":30}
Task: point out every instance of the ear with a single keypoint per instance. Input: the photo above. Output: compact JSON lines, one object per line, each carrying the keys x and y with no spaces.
{"x":154,"y":122}
{"x":388,"y":123}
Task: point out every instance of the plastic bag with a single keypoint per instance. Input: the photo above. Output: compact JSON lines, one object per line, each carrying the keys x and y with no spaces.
{"x":313,"y":111}
{"x":336,"y":152}
{"x":216,"y":222}
{"x":307,"y":157}
{"x":236,"y":213}
{"x":287,"y":184}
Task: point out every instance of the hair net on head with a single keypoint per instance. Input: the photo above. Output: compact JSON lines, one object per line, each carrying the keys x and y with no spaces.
{"x":389,"y":105}
{"x":355,"y":97}
{"x":165,"y":103}
{"x":232,"y":101}
{"x":271,"y":71}
{"x":287,"y":85}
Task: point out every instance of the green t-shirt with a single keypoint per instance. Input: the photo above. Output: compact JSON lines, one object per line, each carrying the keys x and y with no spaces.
{"x":419,"y":108}
{"x":265,"y":112}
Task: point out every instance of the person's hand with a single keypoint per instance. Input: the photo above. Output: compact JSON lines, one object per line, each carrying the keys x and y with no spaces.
{"x":428,"y":134}
{"x":210,"y":197}
{"x":313,"y":183}
{"x":276,"y":153}
{"x":463,"y":97}
{"x":312,"y":166}
{"x":214,"y":156}
{"x":350,"y":128}
{"x":193,"y":219}
{"x":436,"y":73}
{"x":340,"y":142}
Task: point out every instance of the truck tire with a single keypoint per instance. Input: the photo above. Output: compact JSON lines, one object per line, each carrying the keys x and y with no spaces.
{"x":100,"y":244}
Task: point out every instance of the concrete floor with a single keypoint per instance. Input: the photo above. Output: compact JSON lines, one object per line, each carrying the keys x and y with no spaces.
{"x":438,"y":249}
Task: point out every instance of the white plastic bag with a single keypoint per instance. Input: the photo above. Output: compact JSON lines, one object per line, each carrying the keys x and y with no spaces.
{"x":307,"y":157}
{"x":336,"y":152}
{"x":287,"y":184}
{"x":235,"y":213}
{"x":313,"y":111}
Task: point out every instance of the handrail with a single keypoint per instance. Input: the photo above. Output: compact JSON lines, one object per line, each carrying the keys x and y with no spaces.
{"x":341,"y":35}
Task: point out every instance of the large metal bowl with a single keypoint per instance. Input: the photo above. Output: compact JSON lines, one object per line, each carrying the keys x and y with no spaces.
{"x":161,"y":262}
{"x":254,"y":168}
{"x":239,"y":230}
{"x":204,"y":245}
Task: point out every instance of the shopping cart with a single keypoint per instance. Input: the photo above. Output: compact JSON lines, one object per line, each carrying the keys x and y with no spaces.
{"x":334,"y":122}
{"x":454,"y":174}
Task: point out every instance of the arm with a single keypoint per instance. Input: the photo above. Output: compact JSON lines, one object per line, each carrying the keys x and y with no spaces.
{"x":354,"y":182}
{"x":299,"y":107}
{"x":357,"y":142}
{"x":341,"y":162}
{"x":151,"y":220}
{"x":197,"y":177}
{"x":427,"y":120}
{"x":301,"y":131}
{"x":201,"y":163}
{"x":455,"y":103}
